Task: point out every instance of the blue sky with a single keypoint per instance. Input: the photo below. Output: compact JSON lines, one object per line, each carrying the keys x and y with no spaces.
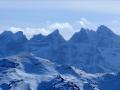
{"x":43,"y":16}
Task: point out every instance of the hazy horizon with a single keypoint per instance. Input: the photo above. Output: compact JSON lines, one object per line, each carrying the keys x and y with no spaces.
{"x":44,"y":16}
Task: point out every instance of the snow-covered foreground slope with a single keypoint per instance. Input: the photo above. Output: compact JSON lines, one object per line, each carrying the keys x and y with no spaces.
{"x":28,"y":72}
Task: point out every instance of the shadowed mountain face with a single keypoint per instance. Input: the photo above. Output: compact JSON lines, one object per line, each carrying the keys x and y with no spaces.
{"x":54,"y":39}
{"x":84,"y":48}
{"x":110,"y":82}
{"x":11,"y":44}
{"x":80,"y":37}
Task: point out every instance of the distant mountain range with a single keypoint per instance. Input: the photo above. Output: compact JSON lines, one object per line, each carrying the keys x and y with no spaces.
{"x":88,"y":61}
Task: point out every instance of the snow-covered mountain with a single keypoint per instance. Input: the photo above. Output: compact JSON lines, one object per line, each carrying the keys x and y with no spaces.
{"x":85,"y":47}
{"x":88,"y":61}
{"x":100,"y":49}
{"x":27,"y":72}
{"x":11,"y":43}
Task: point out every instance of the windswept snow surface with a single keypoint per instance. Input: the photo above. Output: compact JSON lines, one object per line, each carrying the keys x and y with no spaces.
{"x":27,"y":72}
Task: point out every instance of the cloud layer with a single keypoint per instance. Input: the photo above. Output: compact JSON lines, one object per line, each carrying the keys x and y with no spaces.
{"x":66,"y":29}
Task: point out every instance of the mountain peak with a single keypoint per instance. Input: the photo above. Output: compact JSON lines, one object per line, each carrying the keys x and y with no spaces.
{"x":80,"y":36}
{"x":20,"y":36}
{"x":7,"y":33}
{"x":104,"y":30}
{"x":55,"y":32}
{"x":6,"y":36}
{"x":83,"y":30}
{"x":54,"y":39}
{"x":19,"y":33}
{"x":55,"y":36}
{"x":37,"y":38}
{"x":103,"y":26}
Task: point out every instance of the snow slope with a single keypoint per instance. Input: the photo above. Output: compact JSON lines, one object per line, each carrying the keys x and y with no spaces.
{"x":28,"y":72}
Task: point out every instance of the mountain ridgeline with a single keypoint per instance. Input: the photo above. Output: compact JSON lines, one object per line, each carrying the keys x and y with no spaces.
{"x":88,"y":61}
{"x":91,"y":51}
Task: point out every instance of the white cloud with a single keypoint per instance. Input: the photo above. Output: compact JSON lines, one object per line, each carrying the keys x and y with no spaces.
{"x":84,"y":23}
{"x":115,"y":25}
{"x":66,"y":29}
{"x":60,"y":25}
{"x":29,"y":32}
{"x":87,"y":24}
